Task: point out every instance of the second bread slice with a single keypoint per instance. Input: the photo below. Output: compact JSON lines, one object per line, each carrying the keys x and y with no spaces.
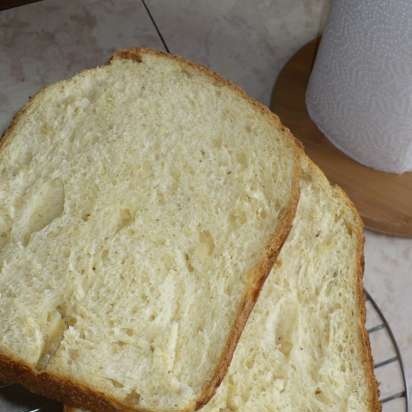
{"x":142,"y":205}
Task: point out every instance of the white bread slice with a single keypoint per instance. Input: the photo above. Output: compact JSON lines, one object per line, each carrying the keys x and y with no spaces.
{"x":142,"y":206}
{"x":305,"y":347}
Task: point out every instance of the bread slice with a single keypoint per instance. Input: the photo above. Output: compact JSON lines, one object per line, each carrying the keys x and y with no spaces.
{"x":305,"y":347}
{"x":142,"y":206}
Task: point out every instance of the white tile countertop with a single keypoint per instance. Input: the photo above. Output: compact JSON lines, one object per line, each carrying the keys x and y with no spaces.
{"x":246,"y":41}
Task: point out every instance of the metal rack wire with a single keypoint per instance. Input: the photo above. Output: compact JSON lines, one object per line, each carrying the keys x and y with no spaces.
{"x":381,"y":325}
{"x":20,"y":400}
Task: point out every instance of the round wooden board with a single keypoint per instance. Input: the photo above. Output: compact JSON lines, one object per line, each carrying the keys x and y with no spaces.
{"x":384,"y":200}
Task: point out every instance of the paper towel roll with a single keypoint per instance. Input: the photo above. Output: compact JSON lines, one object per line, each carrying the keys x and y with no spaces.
{"x":360,"y":89}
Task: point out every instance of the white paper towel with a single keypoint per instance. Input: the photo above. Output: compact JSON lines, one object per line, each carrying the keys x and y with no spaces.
{"x":360,"y":89}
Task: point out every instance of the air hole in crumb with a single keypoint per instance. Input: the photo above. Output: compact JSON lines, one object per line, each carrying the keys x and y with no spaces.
{"x":187,"y":73}
{"x":262,"y":214}
{"x":133,"y":397}
{"x":286,"y":347}
{"x":42,"y":207}
{"x":237,"y":218}
{"x":129,"y":332}
{"x":57,"y":324}
{"x":86,"y":217}
{"x":74,"y":354}
{"x":249,"y":363}
{"x":189,"y":266}
{"x":161,"y":198}
{"x":125,"y":219}
{"x":115,"y":383}
{"x":217,"y":143}
{"x":45,"y":129}
{"x":206,"y":238}
{"x":4,"y":238}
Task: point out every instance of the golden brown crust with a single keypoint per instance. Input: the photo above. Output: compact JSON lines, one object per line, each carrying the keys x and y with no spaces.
{"x":55,"y":387}
{"x":78,"y":394}
{"x":136,"y":54}
{"x":365,"y":350}
{"x":374,"y":403}
{"x":6,"y":136}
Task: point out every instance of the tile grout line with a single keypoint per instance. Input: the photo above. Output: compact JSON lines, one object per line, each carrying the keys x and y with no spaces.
{"x":156,"y":26}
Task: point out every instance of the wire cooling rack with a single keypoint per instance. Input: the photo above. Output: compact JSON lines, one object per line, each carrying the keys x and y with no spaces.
{"x":389,"y":369}
{"x":388,"y":365}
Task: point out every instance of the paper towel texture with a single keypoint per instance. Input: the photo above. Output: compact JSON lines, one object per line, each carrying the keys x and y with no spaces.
{"x":360,"y":90}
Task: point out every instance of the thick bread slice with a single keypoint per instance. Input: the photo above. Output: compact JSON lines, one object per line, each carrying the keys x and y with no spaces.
{"x":141,"y":207}
{"x":305,"y":347}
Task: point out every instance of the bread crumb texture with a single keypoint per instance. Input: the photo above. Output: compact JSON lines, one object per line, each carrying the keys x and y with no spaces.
{"x":136,"y":202}
{"x":301,"y":349}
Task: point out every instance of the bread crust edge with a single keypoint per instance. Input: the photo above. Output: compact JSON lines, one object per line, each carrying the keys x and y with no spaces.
{"x":366,"y":351}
